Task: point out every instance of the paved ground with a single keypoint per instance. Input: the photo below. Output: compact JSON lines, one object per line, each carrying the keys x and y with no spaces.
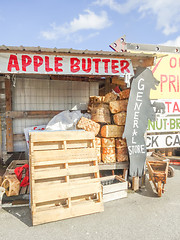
{"x":141,"y":216}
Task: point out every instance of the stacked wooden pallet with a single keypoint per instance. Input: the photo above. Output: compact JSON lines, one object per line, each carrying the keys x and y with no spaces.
{"x":108,"y":117}
{"x":64,"y":175}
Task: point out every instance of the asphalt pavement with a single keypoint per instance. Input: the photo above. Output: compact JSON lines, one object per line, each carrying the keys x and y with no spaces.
{"x":140,"y":216}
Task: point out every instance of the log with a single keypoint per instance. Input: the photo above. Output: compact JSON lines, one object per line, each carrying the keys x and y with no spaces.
{"x":119,"y":142}
{"x":122,"y":158}
{"x":101,"y":113}
{"x":108,"y":142}
{"x":96,"y":99}
{"x":124,"y":94}
{"x":112,"y":131}
{"x":119,"y":118}
{"x":109,"y":158}
{"x":108,"y":150}
{"x":98,"y":142}
{"x":110,"y":97}
{"x":88,"y":125}
{"x":118,"y":106}
{"x":122,"y":150}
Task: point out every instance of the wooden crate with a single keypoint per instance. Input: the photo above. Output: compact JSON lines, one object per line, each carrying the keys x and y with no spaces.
{"x":10,"y":171}
{"x":14,"y":164}
{"x":114,"y":187}
{"x":64,"y":176}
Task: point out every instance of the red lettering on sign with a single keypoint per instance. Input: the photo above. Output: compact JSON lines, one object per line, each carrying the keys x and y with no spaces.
{"x":106,"y":61}
{"x":168,"y":103}
{"x":177,"y":83}
{"x":38,"y":61}
{"x":58,"y":64}
{"x":173,"y":62}
{"x":114,"y":66}
{"x":176,"y":107}
{"x":13,"y":63}
{"x":26,"y":61}
{"x":171,"y":82}
{"x":163,"y":80}
{"x":97,"y":60}
{"x":75,"y":65}
{"x":86,"y":67}
{"x":47,"y":68}
{"x":124,"y":66}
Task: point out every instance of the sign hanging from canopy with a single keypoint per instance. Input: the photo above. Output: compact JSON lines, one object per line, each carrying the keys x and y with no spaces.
{"x":53,"y":64}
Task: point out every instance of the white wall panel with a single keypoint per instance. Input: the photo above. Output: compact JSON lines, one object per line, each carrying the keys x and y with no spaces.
{"x":42,"y":94}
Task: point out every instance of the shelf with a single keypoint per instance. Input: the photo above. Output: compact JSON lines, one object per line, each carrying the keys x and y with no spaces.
{"x":113,"y":166}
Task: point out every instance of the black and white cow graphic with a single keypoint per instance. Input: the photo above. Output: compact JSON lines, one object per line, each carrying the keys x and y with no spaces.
{"x":139,"y":110}
{"x":159,"y":107}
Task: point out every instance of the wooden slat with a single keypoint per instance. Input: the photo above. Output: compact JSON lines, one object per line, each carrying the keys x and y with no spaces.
{"x":65,"y":191}
{"x":59,"y":213}
{"x":111,"y":166}
{"x":61,"y":136}
{"x":57,"y":172}
{"x":59,"y":145}
{"x":114,"y":196}
{"x":31,"y":114}
{"x":9,"y":128}
{"x":56,"y":184}
{"x":62,"y":156}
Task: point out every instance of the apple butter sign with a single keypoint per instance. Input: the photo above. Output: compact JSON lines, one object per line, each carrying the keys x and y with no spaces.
{"x":139,"y":111}
{"x":54,"y":64}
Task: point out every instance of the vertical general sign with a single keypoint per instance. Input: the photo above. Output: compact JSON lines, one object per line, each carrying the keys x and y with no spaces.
{"x":139,"y":110}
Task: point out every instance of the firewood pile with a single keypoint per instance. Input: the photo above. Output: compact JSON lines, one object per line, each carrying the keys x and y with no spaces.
{"x":108,"y":117}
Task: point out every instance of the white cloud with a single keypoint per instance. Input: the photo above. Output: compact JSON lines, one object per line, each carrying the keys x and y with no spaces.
{"x":175,"y":42}
{"x":87,"y":21}
{"x":122,"y":8}
{"x":166,"y":11}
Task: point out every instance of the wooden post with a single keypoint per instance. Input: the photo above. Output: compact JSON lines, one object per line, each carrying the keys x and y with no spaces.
{"x":9,"y":128}
{"x":107,"y":85}
{"x":135,"y":183}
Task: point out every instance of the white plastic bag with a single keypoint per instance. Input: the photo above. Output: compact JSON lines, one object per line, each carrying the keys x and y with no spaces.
{"x":65,"y":120}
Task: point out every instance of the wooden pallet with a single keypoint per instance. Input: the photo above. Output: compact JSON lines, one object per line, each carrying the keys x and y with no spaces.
{"x":64,"y":175}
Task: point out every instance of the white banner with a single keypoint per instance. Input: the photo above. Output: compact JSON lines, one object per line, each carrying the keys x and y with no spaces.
{"x":164,"y":124}
{"x":53,"y":64}
{"x":163,"y":141}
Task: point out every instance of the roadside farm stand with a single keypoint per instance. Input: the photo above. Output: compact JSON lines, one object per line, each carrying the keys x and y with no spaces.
{"x":38,"y":83}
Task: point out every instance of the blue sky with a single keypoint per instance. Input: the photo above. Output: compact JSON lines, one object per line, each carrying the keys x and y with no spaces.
{"x":92,"y":24}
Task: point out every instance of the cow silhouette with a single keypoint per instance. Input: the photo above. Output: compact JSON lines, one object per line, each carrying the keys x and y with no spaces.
{"x":139,"y":110}
{"x":159,"y":106}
